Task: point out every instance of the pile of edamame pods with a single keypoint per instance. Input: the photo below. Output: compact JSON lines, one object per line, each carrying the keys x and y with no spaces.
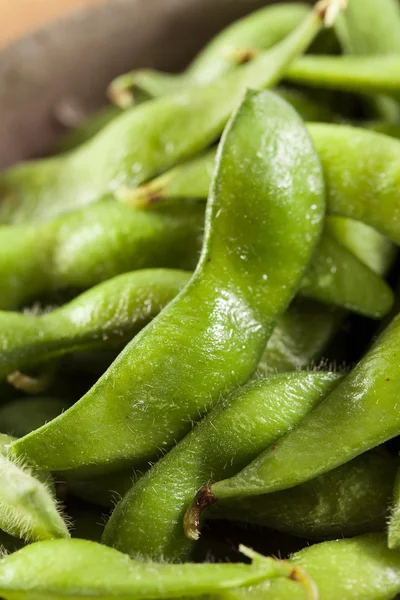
{"x":199,"y":338}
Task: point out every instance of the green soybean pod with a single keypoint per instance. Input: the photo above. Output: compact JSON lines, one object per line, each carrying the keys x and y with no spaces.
{"x":109,"y":314}
{"x":350,"y":500}
{"x":261,"y":29}
{"x":336,"y":276}
{"x":394,"y":521}
{"x":356,"y":162}
{"x":371,"y":247}
{"x":358,"y":415}
{"x":88,"y":246}
{"x":28,"y":508}
{"x":71,"y":569}
{"x":361,"y":568}
{"x":149,"y":519}
{"x":207,"y":341}
{"x":367,"y":74}
{"x":147,"y":139}
{"x":87,"y":252}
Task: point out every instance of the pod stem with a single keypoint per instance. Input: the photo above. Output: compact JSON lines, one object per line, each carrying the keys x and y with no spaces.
{"x":143,"y":196}
{"x":284,"y":568}
{"x":329,"y":10}
{"x":28,"y":384}
{"x":191,"y":521}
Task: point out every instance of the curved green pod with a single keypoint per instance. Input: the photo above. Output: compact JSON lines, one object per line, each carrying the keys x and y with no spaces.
{"x":86,"y":247}
{"x":361,"y":568}
{"x":109,"y":314}
{"x":367,"y":74}
{"x":394,"y":520}
{"x":350,"y":500}
{"x":355,"y":162}
{"x":367,"y":244}
{"x":358,"y":415}
{"x":149,"y":518}
{"x":22,"y":415}
{"x":72,"y":569}
{"x":337,"y":277}
{"x":297,"y":341}
{"x":28,"y":508}
{"x":260,"y":30}
{"x":208,"y":341}
{"x":145,"y":140}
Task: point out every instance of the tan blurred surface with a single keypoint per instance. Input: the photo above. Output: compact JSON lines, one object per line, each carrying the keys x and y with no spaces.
{"x":20,"y":16}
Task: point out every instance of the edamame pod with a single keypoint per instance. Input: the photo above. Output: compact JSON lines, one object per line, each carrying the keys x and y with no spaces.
{"x":367,"y":74}
{"x":111,"y":312}
{"x":147,"y":139}
{"x":70,"y":569}
{"x":336,"y":276}
{"x":356,"y":163}
{"x":87,"y":253}
{"x":261,"y":29}
{"x":207,"y":341}
{"x":362,"y":568}
{"x":149,"y":519}
{"x":28,"y":508}
{"x":394,"y":521}
{"x":88,"y":246}
{"x":350,"y":500}
{"x":359,"y":414}
{"x":371,"y":247}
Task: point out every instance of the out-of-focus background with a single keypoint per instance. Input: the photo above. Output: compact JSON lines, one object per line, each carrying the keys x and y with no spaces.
{"x":20,"y":16}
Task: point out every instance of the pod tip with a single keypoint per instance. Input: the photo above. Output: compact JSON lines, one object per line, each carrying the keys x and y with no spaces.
{"x":328,"y":10}
{"x":191,"y":520}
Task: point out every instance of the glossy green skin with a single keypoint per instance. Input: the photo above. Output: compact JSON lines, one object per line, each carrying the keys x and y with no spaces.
{"x":261,"y":30}
{"x":362,"y":568}
{"x":91,"y":245}
{"x":92,"y":251}
{"x":359,"y":414}
{"x":368,"y":74}
{"x":149,"y":519}
{"x":336,"y":276}
{"x":145,"y":140}
{"x":109,"y":314}
{"x":22,"y":415}
{"x":298,"y":341}
{"x":394,"y":522}
{"x":371,"y":247}
{"x":72,"y":569}
{"x":361,"y":169}
{"x":207,"y":341}
{"x":347,"y":501}
{"x":28,"y":508}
